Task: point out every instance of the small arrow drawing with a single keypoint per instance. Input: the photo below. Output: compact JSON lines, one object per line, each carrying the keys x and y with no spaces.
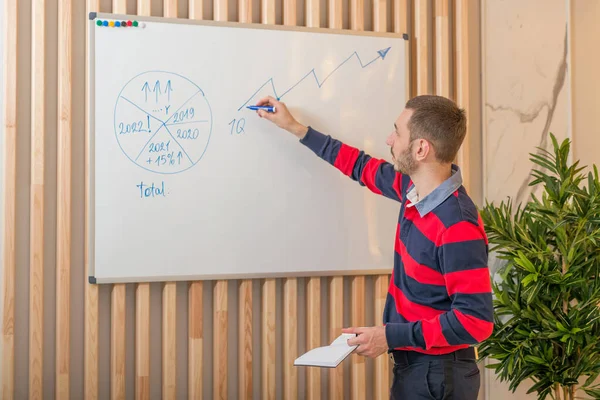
{"x":380,"y":54}
{"x":169,"y":89}
{"x":157,"y":89}
{"x":145,"y":89}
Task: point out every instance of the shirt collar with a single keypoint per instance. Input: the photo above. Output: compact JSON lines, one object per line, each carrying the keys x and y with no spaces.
{"x":437,"y":196}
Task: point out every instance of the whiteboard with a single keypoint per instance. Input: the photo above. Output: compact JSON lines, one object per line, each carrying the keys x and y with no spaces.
{"x":185,"y":183}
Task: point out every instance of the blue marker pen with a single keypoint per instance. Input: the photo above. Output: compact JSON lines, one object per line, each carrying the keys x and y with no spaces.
{"x":266,"y":108}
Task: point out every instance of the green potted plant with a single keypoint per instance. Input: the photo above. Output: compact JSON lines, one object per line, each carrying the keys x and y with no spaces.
{"x":547,"y":293}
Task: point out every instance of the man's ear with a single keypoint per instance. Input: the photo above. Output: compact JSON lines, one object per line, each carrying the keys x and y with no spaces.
{"x":422,"y":149}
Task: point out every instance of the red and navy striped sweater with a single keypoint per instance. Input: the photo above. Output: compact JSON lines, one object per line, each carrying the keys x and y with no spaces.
{"x":439,"y":299}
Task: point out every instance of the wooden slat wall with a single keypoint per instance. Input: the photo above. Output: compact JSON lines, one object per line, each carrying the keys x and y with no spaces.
{"x":439,"y":64}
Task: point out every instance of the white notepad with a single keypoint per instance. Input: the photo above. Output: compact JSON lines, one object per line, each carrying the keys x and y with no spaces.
{"x":328,"y":356}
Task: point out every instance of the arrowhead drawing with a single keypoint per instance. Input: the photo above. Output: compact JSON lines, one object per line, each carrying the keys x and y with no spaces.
{"x":383,"y":53}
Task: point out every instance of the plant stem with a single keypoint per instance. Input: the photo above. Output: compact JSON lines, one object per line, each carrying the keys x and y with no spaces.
{"x":564,"y":271}
{"x":565,"y":392}
{"x":556,"y":391}
{"x":572,"y":392}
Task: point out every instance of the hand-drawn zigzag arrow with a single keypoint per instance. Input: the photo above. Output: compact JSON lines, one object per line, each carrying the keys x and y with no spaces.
{"x":381,"y":54}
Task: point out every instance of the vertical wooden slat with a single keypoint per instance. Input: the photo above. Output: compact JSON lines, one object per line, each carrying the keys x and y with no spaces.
{"x":267,"y":11}
{"x":380,"y":15}
{"x":63,"y":216}
{"x":336,"y":283}
{"x":244,"y":11}
{"x":10,"y":181}
{"x":313,"y":13}
{"x":382,"y":363}
{"x":142,"y":341}
{"x":36,"y":282}
{"x":290,"y":338}
{"x":421,"y":41}
{"x":400,"y":16}
{"x":268,"y":339}
{"x":245,"y":334}
{"x":246,"y":303}
{"x":462,"y":80}
{"x":289,"y":12}
{"x":144,"y":7}
{"x":357,"y":363}
{"x":400,"y":22}
{"x":220,"y":332}
{"x":142,"y":306}
{"x":90,"y":386}
{"x":442,"y":48}
{"x":313,"y":335}
{"x":245,"y":341}
{"x":381,"y":367}
{"x":169,"y":341}
{"x":335,"y":14}
{"x":220,"y":10}
{"x":117,"y":343}
{"x":336,"y":322}
{"x":358,"y":319}
{"x":195,"y":9}
{"x":118,"y":306}
{"x":357,"y":15}
{"x":268,"y":344}
{"x":195,"y":295}
{"x":290,"y":286}
{"x":220,"y":291}
{"x":170,"y":8}
{"x":169,"y":321}
{"x":313,"y":285}
{"x":195,"y":339}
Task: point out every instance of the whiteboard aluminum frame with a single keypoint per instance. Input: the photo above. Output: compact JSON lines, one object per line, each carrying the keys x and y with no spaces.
{"x":90,"y":175}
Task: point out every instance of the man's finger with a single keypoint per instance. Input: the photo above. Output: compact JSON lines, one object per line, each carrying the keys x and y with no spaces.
{"x":265,"y":114}
{"x":268,"y":100}
{"x":360,"y":339}
{"x":357,"y":330}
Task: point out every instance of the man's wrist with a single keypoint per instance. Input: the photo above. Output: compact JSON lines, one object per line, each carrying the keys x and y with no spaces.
{"x":299,"y":130}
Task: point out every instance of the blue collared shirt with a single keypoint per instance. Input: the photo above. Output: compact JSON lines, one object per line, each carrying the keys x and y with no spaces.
{"x":437,"y":196}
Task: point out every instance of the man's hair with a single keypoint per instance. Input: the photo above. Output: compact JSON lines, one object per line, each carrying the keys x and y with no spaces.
{"x":441,"y":122}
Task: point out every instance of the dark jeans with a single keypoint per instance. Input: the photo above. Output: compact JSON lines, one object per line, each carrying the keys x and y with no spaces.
{"x":435,"y":377}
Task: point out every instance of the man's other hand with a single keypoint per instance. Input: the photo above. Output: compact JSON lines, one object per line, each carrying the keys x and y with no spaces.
{"x":371,"y":341}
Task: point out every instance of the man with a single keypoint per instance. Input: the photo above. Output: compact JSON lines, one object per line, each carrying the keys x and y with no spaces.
{"x":439,"y":300}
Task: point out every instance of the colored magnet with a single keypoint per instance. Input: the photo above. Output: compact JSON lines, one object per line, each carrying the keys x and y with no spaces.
{"x":105,"y":23}
{"x":129,"y":23}
{"x":111,"y":23}
{"x":135,"y":23}
{"x":117,"y":24}
{"x":99,"y":23}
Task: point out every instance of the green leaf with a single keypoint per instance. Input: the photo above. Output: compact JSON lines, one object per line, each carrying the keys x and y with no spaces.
{"x":535,"y":359}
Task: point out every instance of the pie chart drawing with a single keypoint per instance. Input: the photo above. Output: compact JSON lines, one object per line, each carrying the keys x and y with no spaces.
{"x":162,"y":122}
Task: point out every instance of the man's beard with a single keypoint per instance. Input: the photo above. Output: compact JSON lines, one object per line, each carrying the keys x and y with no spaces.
{"x":405,"y":163}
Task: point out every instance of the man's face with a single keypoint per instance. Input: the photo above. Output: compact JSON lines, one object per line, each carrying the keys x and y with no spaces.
{"x":400,"y":145}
